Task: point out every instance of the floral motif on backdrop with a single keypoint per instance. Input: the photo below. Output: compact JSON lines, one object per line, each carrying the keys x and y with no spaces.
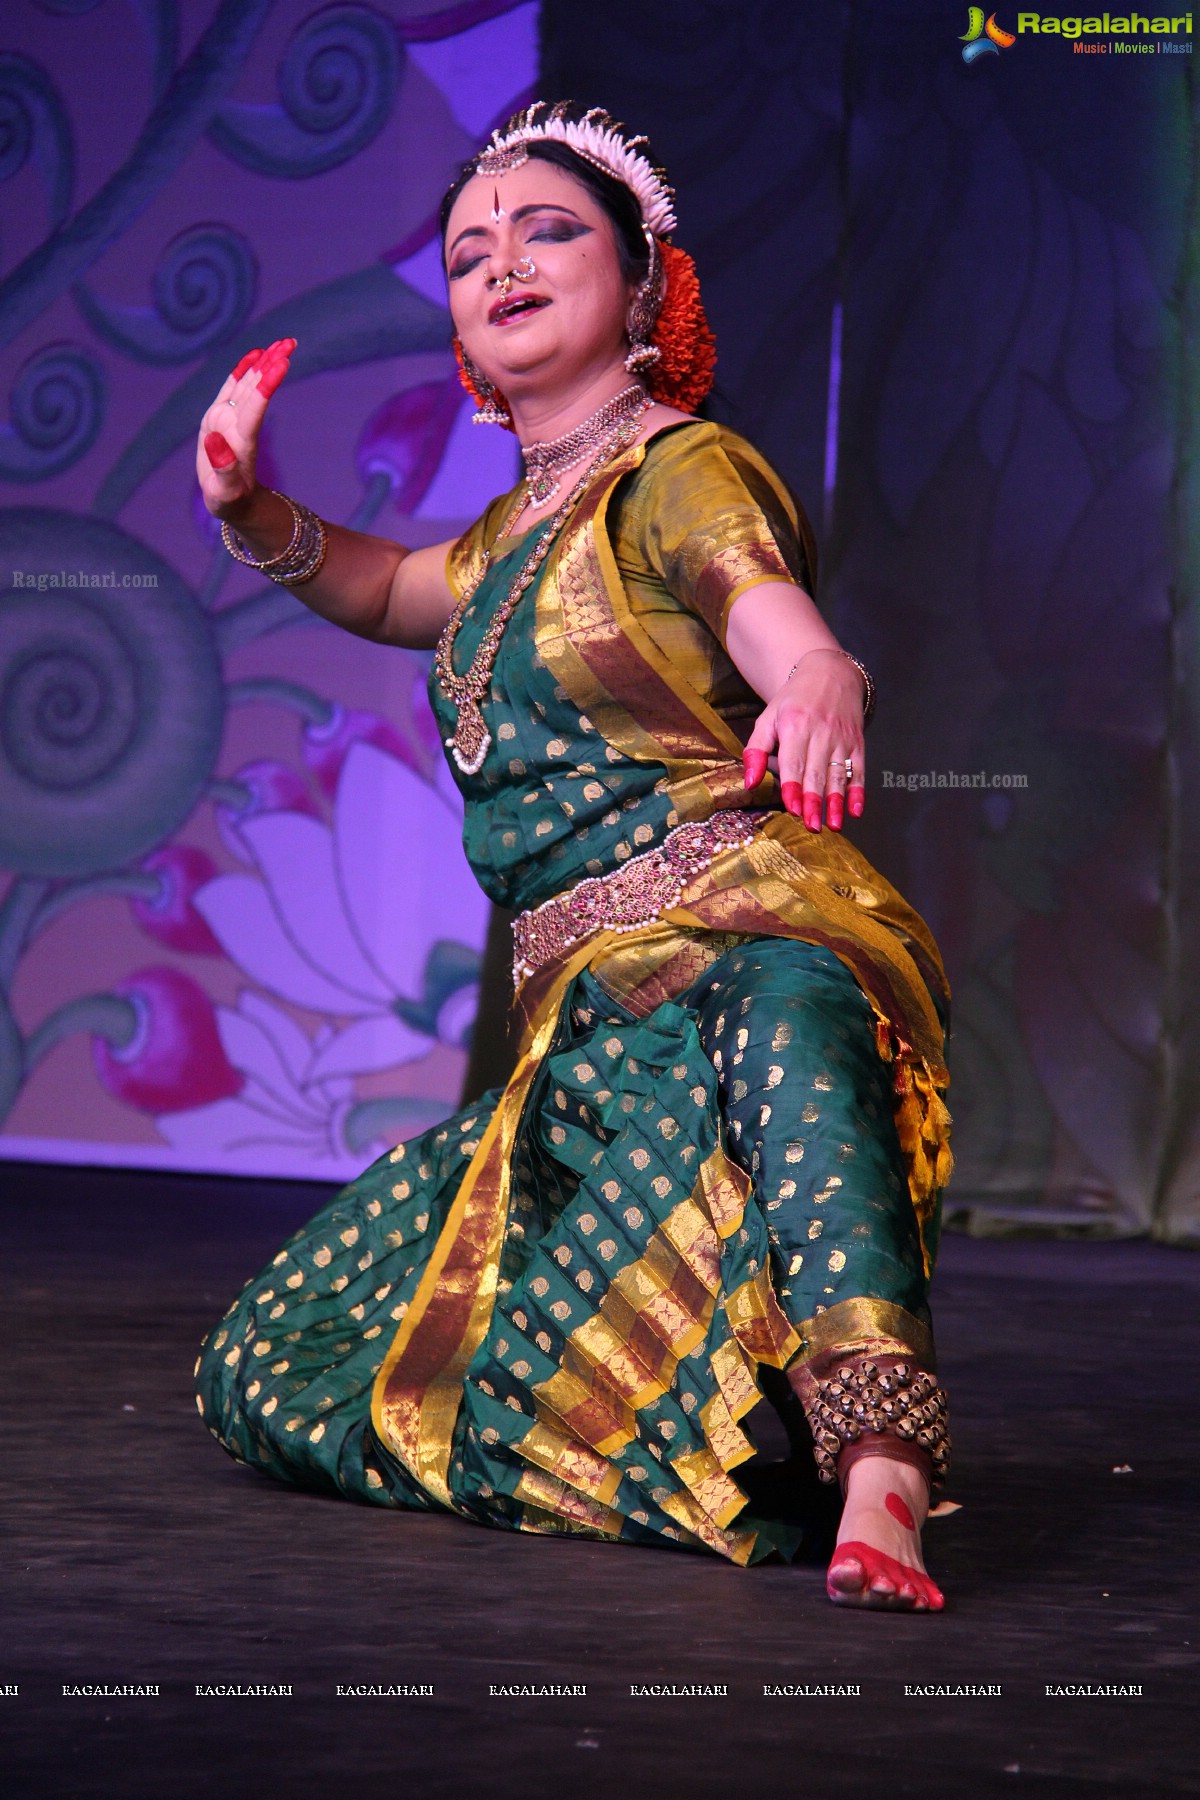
{"x":221,"y":943}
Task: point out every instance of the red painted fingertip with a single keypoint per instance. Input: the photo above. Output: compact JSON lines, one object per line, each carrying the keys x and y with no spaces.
{"x":812,"y":811}
{"x":271,"y":375}
{"x":833,"y":811}
{"x":219,"y":451}
{"x":855,"y":801}
{"x":248,"y":361}
{"x":754,"y":766}
{"x":793,"y":797}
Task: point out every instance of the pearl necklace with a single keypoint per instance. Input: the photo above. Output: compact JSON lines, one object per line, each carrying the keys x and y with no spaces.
{"x":471,"y":737}
{"x":545,"y":462}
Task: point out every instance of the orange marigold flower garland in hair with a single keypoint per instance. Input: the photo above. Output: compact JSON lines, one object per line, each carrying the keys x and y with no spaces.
{"x":682,"y":333}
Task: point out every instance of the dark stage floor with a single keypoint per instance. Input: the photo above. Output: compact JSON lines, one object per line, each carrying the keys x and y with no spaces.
{"x":137,"y":1552}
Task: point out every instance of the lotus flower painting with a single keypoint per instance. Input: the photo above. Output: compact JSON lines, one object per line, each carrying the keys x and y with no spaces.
{"x":237,"y":929}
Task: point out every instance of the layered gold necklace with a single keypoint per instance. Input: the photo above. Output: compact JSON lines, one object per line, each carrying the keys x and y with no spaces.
{"x":608,"y":431}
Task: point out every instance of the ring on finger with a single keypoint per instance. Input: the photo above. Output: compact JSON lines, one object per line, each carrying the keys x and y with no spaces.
{"x":232,"y":403}
{"x":847,"y":764}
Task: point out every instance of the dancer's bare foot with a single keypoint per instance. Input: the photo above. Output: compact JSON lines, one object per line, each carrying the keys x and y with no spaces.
{"x":877,"y":1561}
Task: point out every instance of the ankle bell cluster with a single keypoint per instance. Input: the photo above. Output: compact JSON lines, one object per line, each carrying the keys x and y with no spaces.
{"x":878,"y":1398}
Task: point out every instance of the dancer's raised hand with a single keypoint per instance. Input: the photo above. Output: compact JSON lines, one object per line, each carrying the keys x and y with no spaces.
{"x":227,"y":445}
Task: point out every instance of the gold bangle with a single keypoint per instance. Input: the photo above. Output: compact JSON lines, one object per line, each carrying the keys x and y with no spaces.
{"x":868,"y":684}
{"x":236,"y":548}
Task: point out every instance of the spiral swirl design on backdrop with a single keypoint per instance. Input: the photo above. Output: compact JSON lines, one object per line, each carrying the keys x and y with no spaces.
{"x":56,"y":408}
{"x":204,"y":288}
{"x":338,"y":80}
{"x":34,"y":123}
{"x":111,"y":698}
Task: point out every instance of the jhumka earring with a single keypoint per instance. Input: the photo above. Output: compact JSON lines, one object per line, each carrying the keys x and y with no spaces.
{"x":643,"y":315}
{"x":491,"y":412}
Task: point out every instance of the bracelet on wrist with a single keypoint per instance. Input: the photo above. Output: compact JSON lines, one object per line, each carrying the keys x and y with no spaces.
{"x":299,"y":560}
{"x":868,"y":684}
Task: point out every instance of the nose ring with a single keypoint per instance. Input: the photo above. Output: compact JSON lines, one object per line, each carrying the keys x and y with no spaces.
{"x":523,"y":270}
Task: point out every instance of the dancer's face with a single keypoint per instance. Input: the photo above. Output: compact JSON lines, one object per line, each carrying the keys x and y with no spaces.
{"x":566,"y":323}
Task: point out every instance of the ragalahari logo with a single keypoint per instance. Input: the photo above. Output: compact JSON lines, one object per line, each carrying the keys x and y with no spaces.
{"x":984,"y":38}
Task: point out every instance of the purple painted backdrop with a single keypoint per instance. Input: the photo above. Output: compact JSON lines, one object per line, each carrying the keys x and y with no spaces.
{"x":236,"y":931}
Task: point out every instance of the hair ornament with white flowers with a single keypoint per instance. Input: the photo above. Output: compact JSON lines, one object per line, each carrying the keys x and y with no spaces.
{"x":597,"y":138}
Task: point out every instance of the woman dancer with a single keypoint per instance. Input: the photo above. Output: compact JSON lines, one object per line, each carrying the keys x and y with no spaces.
{"x":723,"y":1148}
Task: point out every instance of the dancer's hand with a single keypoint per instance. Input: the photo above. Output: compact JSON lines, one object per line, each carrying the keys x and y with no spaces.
{"x":228,"y":440}
{"x":816,"y":723}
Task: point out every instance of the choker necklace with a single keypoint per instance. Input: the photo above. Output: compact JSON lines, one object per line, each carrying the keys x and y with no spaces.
{"x":471,"y":738}
{"x":545,"y":463}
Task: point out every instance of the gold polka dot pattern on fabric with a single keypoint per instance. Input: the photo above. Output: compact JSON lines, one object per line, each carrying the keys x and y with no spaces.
{"x":823,"y":1083}
{"x":349,"y":1236}
{"x":815,"y":1228}
{"x":837,"y":1260}
{"x":810,"y":1114}
{"x":796,"y":1264}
